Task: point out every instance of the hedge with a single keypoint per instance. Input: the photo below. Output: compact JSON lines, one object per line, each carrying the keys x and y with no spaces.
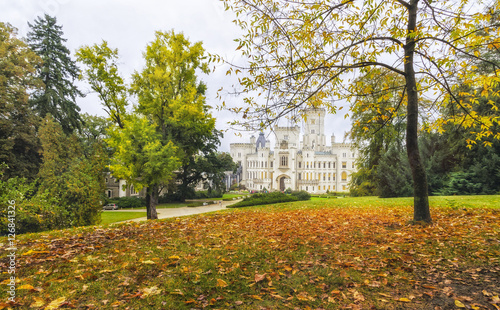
{"x":270,"y":198}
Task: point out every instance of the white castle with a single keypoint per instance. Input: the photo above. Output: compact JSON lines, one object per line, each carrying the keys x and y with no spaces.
{"x":309,"y":165}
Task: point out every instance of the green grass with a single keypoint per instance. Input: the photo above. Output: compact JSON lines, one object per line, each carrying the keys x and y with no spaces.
{"x":357,"y":253}
{"x":108,"y":217}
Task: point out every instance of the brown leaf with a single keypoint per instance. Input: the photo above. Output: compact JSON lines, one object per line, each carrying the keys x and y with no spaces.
{"x":260,"y":277}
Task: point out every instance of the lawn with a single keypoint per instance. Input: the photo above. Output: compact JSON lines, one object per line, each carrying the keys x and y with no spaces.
{"x":108,"y":217}
{"x":343,"y":253}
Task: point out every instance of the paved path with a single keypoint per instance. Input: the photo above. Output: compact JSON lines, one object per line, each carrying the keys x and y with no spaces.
{"x":176,"y":212}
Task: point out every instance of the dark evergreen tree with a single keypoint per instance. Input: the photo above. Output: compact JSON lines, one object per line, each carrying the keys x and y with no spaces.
{"x":394,"y":174}
{"x":58,"y":72}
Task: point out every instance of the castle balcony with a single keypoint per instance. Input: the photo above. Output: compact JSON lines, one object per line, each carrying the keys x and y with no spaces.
{"x":261,"y":181}
{"x":308,"y":182}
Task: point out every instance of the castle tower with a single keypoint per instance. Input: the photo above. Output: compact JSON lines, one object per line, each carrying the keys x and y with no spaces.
{"x":314,"y":128}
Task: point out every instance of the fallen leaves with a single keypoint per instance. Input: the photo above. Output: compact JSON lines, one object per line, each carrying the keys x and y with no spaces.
{"x":273,"y":259}
{"x":55,"y":304}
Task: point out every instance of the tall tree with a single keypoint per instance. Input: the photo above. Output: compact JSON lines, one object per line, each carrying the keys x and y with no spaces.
{"x":170,"y":93}
{"x":19,"y":144}
{"x":303,"y":53}
{"x":58,"y":73}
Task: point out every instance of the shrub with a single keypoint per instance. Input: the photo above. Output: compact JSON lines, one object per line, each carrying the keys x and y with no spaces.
{"x":264,"y":199}
{"x":128,"y":202}
{"x":301,"y":195}
{"x":195,"y":204}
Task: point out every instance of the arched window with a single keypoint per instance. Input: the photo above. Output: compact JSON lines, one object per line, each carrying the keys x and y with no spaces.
{"x":284,"y":161}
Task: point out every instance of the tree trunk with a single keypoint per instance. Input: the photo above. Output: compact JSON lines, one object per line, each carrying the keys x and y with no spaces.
{"x":421,"y":210}
{"x":152,"y":194}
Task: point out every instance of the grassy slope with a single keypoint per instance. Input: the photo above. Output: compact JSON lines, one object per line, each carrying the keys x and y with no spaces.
{"x":324,"y":254}
{"x":108,"y":217}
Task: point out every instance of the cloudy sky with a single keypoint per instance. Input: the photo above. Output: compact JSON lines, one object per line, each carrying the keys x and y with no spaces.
{"x":129,"y":25}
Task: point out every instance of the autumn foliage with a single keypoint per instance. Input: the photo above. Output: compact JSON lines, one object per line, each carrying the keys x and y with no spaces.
{"x":325,"y":254}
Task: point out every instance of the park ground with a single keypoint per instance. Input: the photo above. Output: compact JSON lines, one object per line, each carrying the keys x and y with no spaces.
{"x":337,"y":253}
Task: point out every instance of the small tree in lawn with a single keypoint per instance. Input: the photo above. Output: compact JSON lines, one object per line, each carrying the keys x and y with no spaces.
{"x":142,"y":158}
{"x":306,"y":53}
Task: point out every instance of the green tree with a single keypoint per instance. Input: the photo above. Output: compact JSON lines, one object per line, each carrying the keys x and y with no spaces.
{"x":143,"y":158}
{"x":170,"y":94}
{"x":71,"y":177}
{"x":18,"y":122}
{"x":378,"y":123}
{"x":58,"y":73}
{"x":301,"y":54}
{"x":211,"y":170}
{"x":101,"y":71}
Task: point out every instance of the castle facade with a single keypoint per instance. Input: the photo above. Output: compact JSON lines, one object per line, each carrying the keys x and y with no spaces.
{"x":308,"y":164}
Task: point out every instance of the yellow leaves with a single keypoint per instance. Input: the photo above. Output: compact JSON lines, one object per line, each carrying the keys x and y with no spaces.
{"x":148,"y":262}
{"x":55,"y":304}
{"x":31,"y":252}
{"x":221,"y":283}
{"x":459,"y":304}
{"x":26,"y":287}
{"x":37,"y":302}
{"x":403,"y":299}
{"x":154,"y":290}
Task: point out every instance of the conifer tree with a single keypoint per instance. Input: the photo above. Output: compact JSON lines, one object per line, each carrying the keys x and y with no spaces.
{"x":58,"y":72}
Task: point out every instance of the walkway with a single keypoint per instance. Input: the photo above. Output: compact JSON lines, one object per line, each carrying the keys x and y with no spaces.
{"x":164,"y":213}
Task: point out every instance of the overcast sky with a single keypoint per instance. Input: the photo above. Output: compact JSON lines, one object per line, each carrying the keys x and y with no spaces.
{"x":129,"y":25}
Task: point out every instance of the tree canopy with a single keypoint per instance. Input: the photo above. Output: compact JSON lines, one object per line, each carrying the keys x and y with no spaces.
{"x":304,"y":54}
{"x":18,"y":122}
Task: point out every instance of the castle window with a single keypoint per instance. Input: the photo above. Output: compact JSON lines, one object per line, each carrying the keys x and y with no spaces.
{"x":324,"y":165}
{"x":285,"y":137}
{"x":300,"y":164}
{"x":110,"y":193}
{"x":334,"y":165}
{"x":271,"y":164}
{"x":132,"y":190}
{"x":344,"y":154}
{"x":344,"y":165}
{"x":300,"y":176}
{"x":284,"y":161}
{"x":352,"y":165}
{"x":313,"y":131}
{"x":344,"y":176}
{"x":328,"y":164}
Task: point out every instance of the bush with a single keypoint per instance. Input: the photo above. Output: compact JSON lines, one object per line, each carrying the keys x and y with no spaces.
{"x":301,"y":195}
{"x":195,"y":204}
{"x":264,"y":199}
{"x":128,"y":202}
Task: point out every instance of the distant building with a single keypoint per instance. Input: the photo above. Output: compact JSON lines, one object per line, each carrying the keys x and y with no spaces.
{"x":309,"y":165}
{"x":116,"y":188}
